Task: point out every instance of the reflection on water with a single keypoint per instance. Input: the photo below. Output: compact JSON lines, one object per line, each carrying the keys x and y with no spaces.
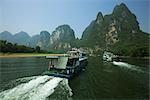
{"x":100,"y":80}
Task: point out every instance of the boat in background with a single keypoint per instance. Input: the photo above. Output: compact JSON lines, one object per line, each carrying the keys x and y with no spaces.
{"x":108,"y":56}
{"x":67,"y":65}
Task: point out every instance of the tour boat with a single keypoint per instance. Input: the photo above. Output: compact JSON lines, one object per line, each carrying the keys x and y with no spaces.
{"x":67,"y":65}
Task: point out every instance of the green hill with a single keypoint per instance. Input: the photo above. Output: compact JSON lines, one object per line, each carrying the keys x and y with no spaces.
{"x":118,"y":32}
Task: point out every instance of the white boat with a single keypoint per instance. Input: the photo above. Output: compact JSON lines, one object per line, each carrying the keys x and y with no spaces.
{"x":108,"y":56}
{"x":67,"y":65}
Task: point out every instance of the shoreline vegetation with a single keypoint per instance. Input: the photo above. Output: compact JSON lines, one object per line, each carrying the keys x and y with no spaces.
{"x":8,"y":49}
{"x":13,"y":55}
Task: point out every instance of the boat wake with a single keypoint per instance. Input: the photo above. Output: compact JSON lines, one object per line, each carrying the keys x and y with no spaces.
{"x":38,"y":88}
{"x":129,"y":66}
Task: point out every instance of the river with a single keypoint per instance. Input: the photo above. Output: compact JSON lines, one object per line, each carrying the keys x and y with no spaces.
{"x":21,"y":78}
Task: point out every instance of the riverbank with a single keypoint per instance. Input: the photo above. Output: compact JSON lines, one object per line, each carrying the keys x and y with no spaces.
{"x":6,"y":55}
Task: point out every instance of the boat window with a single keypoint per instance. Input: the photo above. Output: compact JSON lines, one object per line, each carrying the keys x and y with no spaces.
{"x":70,"y":62}
{"x":53,"y":62}
{"x":83,"y":54}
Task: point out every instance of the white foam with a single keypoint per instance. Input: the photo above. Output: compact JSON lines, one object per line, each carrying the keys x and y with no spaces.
{"x":42,"y":92}
{"x":68,"y":87}
{"x":121,"y":64}
{"x":38,"y":88}
{"x":65,"y":83}
{"x":22,"y":89}
{"x":129,"y":66}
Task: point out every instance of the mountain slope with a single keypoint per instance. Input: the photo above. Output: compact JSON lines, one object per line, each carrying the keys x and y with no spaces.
{"x":44,"y":40}
{"x":33,"y":41}
{"x":118,"y":32}
{"x":21,"y":38}
{"x":6,"y":36}
{"x":94,"y":32}
{"x":62,"y":37}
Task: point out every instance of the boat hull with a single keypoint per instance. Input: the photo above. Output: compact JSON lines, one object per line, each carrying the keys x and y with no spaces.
{"x":49,"y":73}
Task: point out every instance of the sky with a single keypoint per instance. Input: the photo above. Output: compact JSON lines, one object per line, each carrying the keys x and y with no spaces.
{"x":34,"y":16}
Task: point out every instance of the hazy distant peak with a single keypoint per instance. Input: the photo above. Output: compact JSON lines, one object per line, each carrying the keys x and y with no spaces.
{"x":22,"y":33}
{"x":45,"y":33}
{"x":6,"y":32}
{"x":65,"y":26}
{"x":5,"y":35}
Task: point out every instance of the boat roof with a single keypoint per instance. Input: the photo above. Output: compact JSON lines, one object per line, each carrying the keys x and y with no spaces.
{"x":57,"y":57}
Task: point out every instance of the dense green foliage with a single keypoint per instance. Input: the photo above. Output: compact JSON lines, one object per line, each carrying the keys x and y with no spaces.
{"x":134,"y":45}
{"x":6,"y":47}
{"x":57,"y":51}
{"x":121,"y":25}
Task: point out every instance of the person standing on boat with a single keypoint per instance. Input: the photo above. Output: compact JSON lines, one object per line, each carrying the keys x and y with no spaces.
{"x":50,"y":65}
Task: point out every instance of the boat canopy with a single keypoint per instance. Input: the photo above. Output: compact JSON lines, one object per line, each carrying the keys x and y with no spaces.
{"x":62,"y":63}
{"x":59,"y":62}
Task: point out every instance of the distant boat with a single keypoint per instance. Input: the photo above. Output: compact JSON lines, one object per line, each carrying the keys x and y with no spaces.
{"x":67,"y":65}
{"x":108,"y":56}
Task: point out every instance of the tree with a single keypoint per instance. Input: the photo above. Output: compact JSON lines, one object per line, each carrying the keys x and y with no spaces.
{"x":37,"y":49}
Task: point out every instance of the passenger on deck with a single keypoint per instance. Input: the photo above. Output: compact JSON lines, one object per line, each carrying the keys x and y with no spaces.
{"x":51,"y":66}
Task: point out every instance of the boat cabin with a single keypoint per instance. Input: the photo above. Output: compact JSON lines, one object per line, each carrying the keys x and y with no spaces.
{"x":66,"y":65}
{"x":63,"y":64}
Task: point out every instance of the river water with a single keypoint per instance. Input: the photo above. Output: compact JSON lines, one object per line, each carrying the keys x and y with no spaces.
{"x":20,"y":78}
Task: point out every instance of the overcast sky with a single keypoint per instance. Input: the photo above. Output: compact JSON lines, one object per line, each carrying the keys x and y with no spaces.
{"x":34,"y":16}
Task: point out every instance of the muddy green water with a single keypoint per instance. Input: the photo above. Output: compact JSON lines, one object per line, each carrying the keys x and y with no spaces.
{"x":100,"y":80}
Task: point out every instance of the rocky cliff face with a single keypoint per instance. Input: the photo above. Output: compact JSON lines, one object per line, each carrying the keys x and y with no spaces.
{"x":33,"y":41}
{"x":118,"y":32}
{"x":94,"y":33}
{"x":125,"y":20}
{"x":62,"y":37}
{"x":122,"y":20}
{"x":114,"y":29}
{"x":44,"y":41}
{"x":109,"y":26}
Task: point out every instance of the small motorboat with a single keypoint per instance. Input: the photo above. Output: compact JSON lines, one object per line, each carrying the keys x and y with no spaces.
{"x":108,"y":56}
